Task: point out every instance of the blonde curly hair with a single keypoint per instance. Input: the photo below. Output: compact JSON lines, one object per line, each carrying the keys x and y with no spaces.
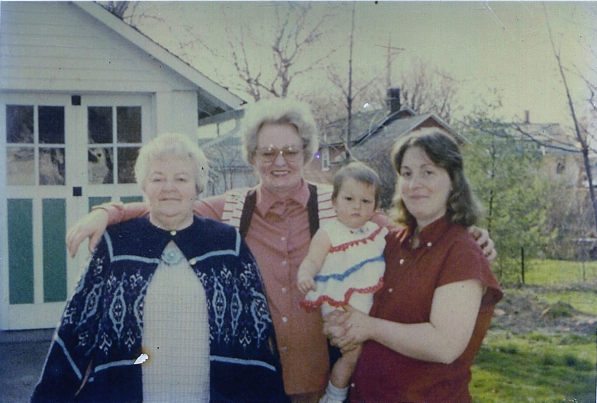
{"x":279,"y":111}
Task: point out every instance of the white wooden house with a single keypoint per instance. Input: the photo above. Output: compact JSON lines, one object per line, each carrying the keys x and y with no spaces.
{"x":80,"y":92}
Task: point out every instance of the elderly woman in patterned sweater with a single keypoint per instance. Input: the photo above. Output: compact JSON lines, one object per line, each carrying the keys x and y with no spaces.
{"x":160,"y":317}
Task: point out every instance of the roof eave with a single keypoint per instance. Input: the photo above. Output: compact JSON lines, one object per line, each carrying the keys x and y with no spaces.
{"x":158,"y":52}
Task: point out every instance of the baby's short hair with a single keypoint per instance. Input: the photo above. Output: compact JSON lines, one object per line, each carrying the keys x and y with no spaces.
{"x":361,"y":173}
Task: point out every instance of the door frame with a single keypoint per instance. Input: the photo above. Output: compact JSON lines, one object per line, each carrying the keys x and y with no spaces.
{"x":40,"y":314}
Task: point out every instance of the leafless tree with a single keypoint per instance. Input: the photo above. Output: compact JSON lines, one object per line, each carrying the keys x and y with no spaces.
{"x":292,"y":39}
{"x":349,"y":97}
{"x":347,"y":86}
{"x":228,"y":168}
{"x":425,"y":89}
{"x":131,"y":12}
{"x":580,"y":131}
{"x":366,"y":86}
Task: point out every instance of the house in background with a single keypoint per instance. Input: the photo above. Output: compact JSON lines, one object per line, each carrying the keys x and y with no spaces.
{"x":560,"y":151}
{"x":398,"y":124}
{"x":563,"y":164}
{"x":80,"y":92}
{"x":227,"y":167}
{"x":377,"y":131}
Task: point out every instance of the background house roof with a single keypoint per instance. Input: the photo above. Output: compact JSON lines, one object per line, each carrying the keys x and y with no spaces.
{"x":550,"y":137}
{"x":399,"y":124}
{"x":384,"y":135}
{"x":367,"y":124}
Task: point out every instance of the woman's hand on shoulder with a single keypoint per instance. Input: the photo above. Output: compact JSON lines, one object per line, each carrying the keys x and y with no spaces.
{"x":92,"y":226}
{"x":481,"y":235}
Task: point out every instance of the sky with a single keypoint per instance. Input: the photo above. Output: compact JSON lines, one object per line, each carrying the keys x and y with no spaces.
{"x":482,"y":45}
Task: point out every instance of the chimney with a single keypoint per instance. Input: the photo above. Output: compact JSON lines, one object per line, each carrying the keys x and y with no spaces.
{"x":393,"y":100}
{"x":527,"y":116}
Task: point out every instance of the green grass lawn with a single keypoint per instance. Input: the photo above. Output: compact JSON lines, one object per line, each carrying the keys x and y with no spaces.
{"x":552,"y":272}
{"x":540,"y":367}
{"x":535,"y":368}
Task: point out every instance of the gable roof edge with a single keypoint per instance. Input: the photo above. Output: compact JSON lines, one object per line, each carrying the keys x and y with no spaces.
{"x":158,"y":52}
{"x":440,"y":121}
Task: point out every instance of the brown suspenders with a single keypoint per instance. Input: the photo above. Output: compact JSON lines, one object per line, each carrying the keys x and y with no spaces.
{"x":251,"y":200}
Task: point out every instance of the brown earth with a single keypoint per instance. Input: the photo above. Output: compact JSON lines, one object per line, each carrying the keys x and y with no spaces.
{"x":523,"y":310}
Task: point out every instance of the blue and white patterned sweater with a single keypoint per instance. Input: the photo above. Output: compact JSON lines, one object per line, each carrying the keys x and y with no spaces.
{"x":92,"y":356}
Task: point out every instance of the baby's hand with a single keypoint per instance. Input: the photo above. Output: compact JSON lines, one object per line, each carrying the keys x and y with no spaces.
{"x":306,"y":283}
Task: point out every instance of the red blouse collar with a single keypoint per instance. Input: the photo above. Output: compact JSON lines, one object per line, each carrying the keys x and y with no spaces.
{"x":432,"y":232}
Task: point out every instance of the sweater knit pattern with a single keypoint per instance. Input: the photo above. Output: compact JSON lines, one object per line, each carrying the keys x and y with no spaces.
{"x":100,"y":334}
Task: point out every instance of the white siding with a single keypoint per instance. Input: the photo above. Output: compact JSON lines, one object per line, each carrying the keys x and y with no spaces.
{"x":55,"y":46}
{"x":177,"y":111}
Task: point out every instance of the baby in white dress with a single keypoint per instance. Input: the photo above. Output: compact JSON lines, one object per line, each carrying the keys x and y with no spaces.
{"x":345,"y":263}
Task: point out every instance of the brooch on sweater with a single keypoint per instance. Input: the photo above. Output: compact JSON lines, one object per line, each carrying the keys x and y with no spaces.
{"x":171,"y":256}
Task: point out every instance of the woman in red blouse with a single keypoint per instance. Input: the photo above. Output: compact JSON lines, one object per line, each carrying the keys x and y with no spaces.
{"x":428,"y":321}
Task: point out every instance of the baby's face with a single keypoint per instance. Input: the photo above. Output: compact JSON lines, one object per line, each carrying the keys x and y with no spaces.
{"x":355,"y":203}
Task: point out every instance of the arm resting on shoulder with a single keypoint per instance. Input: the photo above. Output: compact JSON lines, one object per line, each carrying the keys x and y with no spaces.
{"x":481,"y":235}
{"x":94,"y":224}
{"x":443,"y":339}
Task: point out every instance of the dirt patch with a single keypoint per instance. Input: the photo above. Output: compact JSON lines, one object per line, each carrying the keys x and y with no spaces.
{"x":523,"y":310}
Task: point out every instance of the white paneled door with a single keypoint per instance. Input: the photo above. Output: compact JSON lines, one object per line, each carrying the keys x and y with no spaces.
{"x":61,"y":154}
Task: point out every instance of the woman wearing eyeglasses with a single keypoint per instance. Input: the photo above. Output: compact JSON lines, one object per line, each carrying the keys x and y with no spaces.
{"x":280,"y":139}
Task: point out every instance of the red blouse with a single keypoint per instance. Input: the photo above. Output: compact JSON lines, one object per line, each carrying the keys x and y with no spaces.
{"x":447,"y":253}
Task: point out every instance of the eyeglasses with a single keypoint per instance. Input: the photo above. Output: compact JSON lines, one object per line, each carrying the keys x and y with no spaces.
{"x":292,"y":153}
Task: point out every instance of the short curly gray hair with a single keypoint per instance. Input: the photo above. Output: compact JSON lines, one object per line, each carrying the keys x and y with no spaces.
{"x":176,"y":145}
{"x":279,"y":111}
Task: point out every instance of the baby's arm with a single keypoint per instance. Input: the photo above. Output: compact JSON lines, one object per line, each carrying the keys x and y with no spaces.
{"x":318,"y":250}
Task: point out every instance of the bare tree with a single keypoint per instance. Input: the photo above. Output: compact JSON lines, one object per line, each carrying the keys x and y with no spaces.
{"x":425,"y":88}
{"x":293,"y":35}
{"x":347,"y":87}
{"x":349,"y":97}
{"x":131,"y":12}
{"x":228,"y":169}
{"x":580,"y":132}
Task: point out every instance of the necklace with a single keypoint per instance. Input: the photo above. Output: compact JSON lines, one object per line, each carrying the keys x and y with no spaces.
{"x":360,"y":230}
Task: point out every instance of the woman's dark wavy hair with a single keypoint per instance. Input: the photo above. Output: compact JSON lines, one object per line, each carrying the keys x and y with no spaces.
{"x":443,"y":151}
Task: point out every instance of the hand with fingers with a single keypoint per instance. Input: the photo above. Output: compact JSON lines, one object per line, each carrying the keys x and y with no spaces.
{"x":481,"y":235}
{"x":347,"y":328}
{"x":92,"y":226}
